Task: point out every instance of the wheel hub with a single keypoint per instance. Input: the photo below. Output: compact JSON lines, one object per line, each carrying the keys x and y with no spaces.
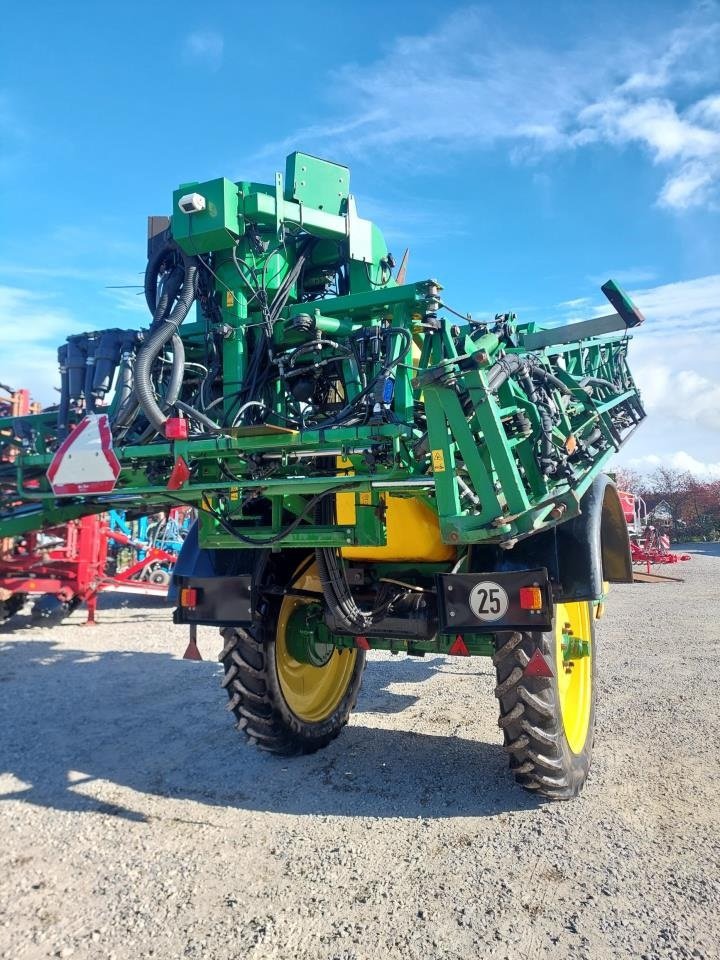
{"x":307,"y":638}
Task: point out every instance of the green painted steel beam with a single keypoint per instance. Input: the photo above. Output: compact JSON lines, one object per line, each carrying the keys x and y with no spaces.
{"x":470,"y":451}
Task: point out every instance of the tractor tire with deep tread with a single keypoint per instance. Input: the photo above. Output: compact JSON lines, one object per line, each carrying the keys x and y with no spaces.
{"x":541,"y":757}
{"x":256,"y":697}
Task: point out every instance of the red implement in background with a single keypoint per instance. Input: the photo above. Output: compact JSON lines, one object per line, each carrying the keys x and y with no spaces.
{"x":68,"y":566}
{"x":649,"y":544}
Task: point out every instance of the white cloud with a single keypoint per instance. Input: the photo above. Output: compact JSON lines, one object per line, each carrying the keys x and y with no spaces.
{"x":576,"y":303}
{"x":30,"y":317}
{"x":689,"y":142}
{"x":680,"y":56}
{"x":691,"y":187}
{"x":31,"y":324}
{"x":11,"y":269}
{"x":687,"y":305}
{"x":628,"y":275}
{"x":674,"y":358}
{"x":486,"y":88}
{"x":656,"y":123}
{"x":676,"y":394}
{"x":675,"y":355}
{"x":681,"y":460}
{"x":205,"y":45}
{"x":34,"y":324}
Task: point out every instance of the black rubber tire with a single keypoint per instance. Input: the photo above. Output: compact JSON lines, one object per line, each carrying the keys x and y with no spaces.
{"x":11,"y":606}
{"x":256,"y":698}
{"x":49,"y":610}
{"x":530,"y":717}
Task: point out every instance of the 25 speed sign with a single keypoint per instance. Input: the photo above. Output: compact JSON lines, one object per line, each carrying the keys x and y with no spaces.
{"x":488,"y":601}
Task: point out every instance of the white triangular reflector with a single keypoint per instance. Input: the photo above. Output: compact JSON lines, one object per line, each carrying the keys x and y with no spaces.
{"x":85,"y":462}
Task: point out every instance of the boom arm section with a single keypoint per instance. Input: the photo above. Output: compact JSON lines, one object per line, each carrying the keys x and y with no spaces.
{"x":307,"y":372}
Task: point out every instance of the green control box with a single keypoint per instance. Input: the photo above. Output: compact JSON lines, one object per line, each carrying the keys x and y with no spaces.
{"x":212,"y":220}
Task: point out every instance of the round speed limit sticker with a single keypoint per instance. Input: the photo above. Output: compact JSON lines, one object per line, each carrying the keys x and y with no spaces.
{"x":488,"y":601}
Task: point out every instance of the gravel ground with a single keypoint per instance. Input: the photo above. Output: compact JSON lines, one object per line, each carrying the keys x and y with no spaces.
{"x":136,"y":823}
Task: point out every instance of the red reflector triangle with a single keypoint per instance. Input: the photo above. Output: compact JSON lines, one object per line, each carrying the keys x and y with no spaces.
{"x":362,"y":643}
{"x":192,"y":652}
{"x":458,"y":649}
{"x":537,"y":666}
{"x":179,"y":476}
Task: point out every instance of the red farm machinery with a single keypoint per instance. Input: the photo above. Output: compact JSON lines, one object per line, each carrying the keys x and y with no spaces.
{"x":649,"y":536}
{"x":67,"y":564}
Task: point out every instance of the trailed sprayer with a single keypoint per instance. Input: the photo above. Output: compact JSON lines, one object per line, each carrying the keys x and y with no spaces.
{"x":371,"y":471}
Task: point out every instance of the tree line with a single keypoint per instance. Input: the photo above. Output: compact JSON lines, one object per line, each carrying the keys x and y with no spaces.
{"x":693,"y":502}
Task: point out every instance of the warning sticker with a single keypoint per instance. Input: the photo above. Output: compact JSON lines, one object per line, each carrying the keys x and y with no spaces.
{"x":438,"y":461}
{"x":365,"y":499}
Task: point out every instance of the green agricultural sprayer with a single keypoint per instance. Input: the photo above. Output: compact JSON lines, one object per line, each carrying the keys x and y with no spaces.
{"x":370,"y":473}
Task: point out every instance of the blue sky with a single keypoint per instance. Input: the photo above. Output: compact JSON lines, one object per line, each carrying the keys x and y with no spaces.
{"x":523,"y":151}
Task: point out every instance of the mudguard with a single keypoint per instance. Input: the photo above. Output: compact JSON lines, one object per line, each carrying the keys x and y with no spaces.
{"x":193,"y":561}
{"x":225,"y":582}
{"x":579,"y":554}
{"x":595,"y":545}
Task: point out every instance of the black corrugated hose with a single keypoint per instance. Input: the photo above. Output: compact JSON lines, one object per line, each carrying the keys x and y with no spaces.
{"x":176,"y":296}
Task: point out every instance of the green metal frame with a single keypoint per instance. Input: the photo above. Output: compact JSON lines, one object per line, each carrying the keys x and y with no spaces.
{"x":473,"y":466}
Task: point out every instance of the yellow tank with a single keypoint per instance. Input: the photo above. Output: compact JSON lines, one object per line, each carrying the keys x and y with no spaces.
{"x":413,"y":532}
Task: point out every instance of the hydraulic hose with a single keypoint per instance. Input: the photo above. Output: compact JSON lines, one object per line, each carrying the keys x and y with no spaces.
{"x":538,"y":373}
{"x":341,"y":416}
{"x":125,"y":378}
{"x":127,"y":413}
{"x":547,"y":461}
{"x":143,"y":384}
{"x":64,"y":408}
{"x":335,"y":588}
{"x":168,"y":292}
{"x":338,"y":597}
{"x":515,"y":365}
{"x":598,"y":382}
{"x":198,"y":416}
{"x":592,"y":438}
{"x":178,"y":370}
{"x":126,"y":400}
{"x":164,"y":328}
{"x":151,"y":274}
{"x":530,"y":374}
{"x":503,"y":370}
{"x":92,"y":344}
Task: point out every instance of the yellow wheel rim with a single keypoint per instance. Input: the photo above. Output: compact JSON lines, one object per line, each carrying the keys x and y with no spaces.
{"x":312,"y":693}
{"x":574,"y":675}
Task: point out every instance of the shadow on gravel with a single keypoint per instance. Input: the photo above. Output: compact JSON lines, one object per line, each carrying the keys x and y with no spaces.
{"x":407,"y":670}
{"x":385,"y":700}
{"x":710,"y":549}
{"x":24,"y":620}
{"x":88,"y":732}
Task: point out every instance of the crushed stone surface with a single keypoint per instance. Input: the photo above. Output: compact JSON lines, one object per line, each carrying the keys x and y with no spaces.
{"x":136,"y":823}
